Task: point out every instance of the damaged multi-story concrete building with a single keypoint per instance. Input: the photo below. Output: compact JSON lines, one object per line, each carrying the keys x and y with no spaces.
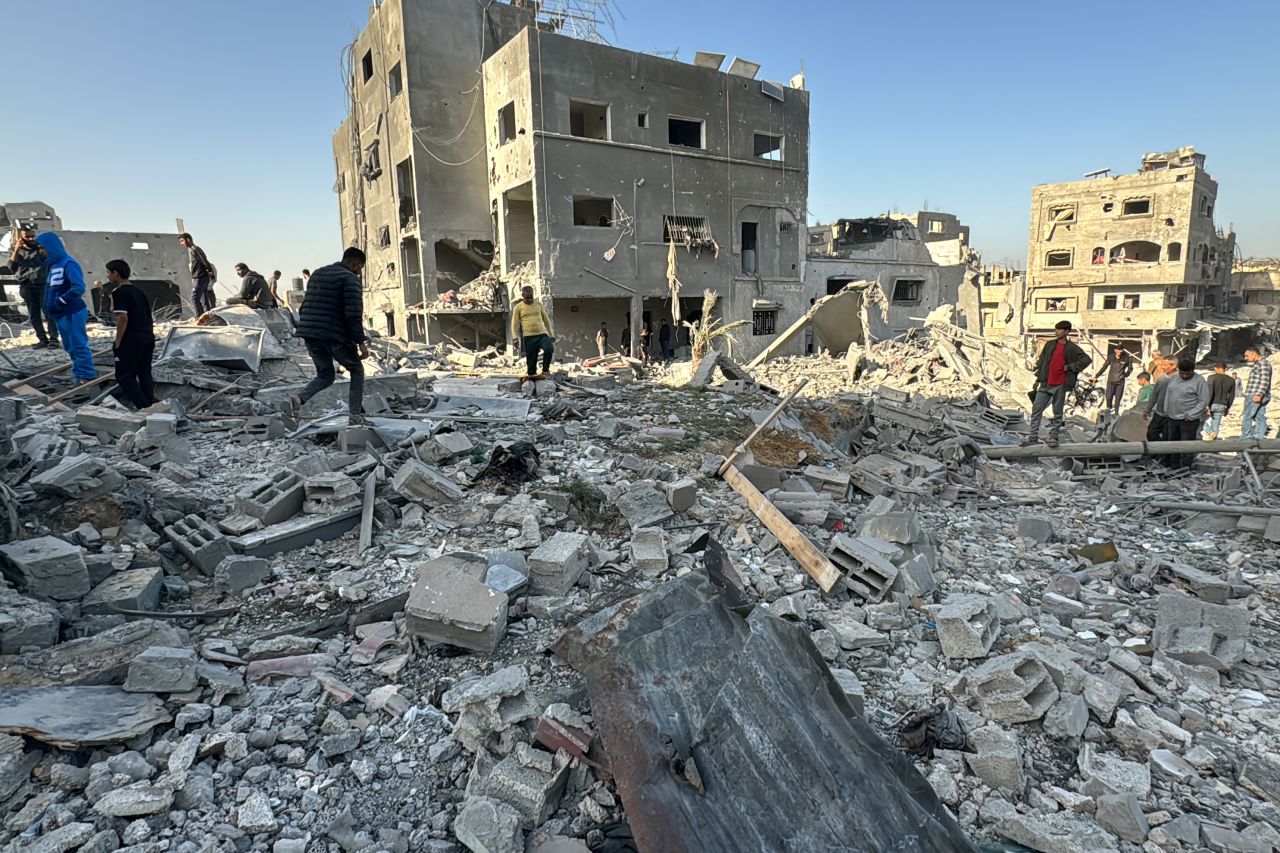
{"x":1133,"y":259}
{"x":1255,"y":282}
{"x":477,"y":148}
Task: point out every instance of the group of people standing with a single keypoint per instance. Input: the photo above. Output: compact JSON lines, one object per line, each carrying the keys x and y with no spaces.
{"x":666,"y":341}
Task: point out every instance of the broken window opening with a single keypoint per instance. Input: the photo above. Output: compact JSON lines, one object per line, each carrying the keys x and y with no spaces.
{"x":408,"y":209}
{"x":384,"y":236}
{"x":1136,"y":207}
{"x":390,"y":317}
{"x":692,"y":232}
{"x":1174,"y":252}
{"x":593,"y":212}
{"x":371,"y":169}
{"x":1132,"y":301}
{"x":750,"y":232}
{"x":1063,"y":214}
{"x":1110,"y":303}
{"x":395,"y":81}
{"x":588,"y":120}
{"x":1206,"y":206}
{"x":768,"y":147}
{"x":507,"y":123}
{"x":1056,"y":305}
{"x":907,"y":291}
{"x":1135,"y":252}
{"x":1108,"y":207}
{"x":1179,"y":297}
{"x":1060,"y":259}
{"x":1202,"y":253}
{"x":935,"y":226}
{"x":685,"y":132}
{"x":1099,"y":256}
{"x":764,"y":323}
{"x":366,"y":66}
{"x":642,"y":120}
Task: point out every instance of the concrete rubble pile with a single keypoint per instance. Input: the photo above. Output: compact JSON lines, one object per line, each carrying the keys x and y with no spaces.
{"x":221,"y":627}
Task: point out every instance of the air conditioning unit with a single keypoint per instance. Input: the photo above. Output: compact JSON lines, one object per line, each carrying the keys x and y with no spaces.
{"x":770,"y":89}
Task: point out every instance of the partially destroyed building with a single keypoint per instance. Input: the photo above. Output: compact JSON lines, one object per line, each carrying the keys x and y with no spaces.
{"x":613,"y":193}
{"x":1135,"y":259}
{"x":1256,"y":284}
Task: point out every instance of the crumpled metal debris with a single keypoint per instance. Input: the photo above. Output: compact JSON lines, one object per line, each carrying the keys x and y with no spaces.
{"x":922,"y":731}
{"x":512,"y":464}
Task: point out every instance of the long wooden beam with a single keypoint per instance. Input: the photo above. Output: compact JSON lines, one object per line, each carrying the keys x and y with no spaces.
{"x":1133,"y":448}
{"x":772,"y":416}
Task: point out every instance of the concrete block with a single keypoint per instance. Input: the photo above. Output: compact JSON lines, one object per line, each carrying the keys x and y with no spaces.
{"x":556,"y":565}
{"x":419,"y":482}
{"x":1122,"y":815}
{"x":47,"y":567}
{"x":329,"y":492}
{"x":902,"y":528}
{"x":649,"y":551}
{"x":1068,"y":717}
{"x":162,"y":669}
{"x":851,"y":635}
{"x":532,"y":792}
{"x":486,"y":825}
{"x":80,"y":477}
{"x":444,"y":446}
{"x":26,"y":623}
{"x":101,"y":420}
{"x":297,"y":533}
{"x":1201,"y":634}
{"x":916,"y":577}
{"x":852,"y":688}
{"x":13,"y":409}
{"x":1036,"y":528}
{"x":272,"y":500}
{"x":682,"y":495}
{"x":1109,"y":774}
{"x":828,"y":479}
{"x":997,"y":759}
{"x":450,"y":603}
{"x":644,"y":506}
{"x":236,"y":574}
{"x":607,"y":427}
{"x":1013,"y":688}
{"x":131,"y":589}
{"x":200,"y":542}
{"x":353,"y":439}
{"x":868,"y":573}
{"x":967,"y":626}
{"x":763,"y":477}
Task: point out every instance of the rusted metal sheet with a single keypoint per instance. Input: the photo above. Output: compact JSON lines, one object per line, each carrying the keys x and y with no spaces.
{"x":729,"y":733}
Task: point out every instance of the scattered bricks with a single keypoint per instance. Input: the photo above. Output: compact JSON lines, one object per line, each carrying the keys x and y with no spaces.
{"x":486,"y":825}
{"x":450,"y":603}
{"x":644,"y":506}
{"x":200,"y":542}
{"x":161,"y":669}
{"x":1107,"y":774}
{"x":868,"y":574}
{"x":967,"y":626}
{"x":1013,"y":688}
{"x":100,"y":420}
{"x":851,"y":687}
{"x":444,"y":446}
{"x":649,"y":551}
{"x":530,"y":791}
{"x":26,"y":623}
{"x":235,"y":574}
{"x":273,"y":500}
{"x":1201,"y":634}
{"x":682,"y":495}
{"x":419,"y":482}
{"x":329,"y":492}
{"x":1122,"y":815}
{"x":131,"y":589}
{"x":1036,"y":528}
{"x":902,"y":528}
{"x":827,"y":479}
{"x":996,"y":759}
{"x":556,"y":565}
{"x":1068,"y":717}
{"x":48,"y":567}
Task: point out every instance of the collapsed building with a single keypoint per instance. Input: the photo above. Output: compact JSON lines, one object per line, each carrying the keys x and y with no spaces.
{"x":476,"y":150}
{"x":1134,"y":259}
{"x":157,"y":261}
{"x":1255,"y":282}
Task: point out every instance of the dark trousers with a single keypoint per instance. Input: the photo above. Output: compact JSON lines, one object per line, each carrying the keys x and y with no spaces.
{"x":323,"y":355}
{"x":33,"y":294}
{"x":1180,"y":430}
{"x":202,"y":294}
{"x":133,"y":372}
{"x":1115,"y":393}
{"x":533,"y":344}
{"x":1047,"y":396}
{"x":1156,"y":427}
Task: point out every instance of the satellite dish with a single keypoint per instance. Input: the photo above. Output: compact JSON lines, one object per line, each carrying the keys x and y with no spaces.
{"x":797,"y":82}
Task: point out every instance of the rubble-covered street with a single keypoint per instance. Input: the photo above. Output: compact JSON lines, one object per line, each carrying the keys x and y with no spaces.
{"x":548,"y":617}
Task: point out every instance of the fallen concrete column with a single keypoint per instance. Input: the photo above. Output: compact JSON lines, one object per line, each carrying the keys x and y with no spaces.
{"x":1134,"y":448}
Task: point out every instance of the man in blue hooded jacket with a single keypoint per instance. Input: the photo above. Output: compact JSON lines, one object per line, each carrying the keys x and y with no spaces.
{"x":64,"y":304}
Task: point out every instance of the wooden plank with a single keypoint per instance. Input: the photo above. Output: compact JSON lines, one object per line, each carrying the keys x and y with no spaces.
{"x":52,"y":371}
{"x":798,"y":546}
{"x":777,"y":410}
{"x":84,"y":386}
{"x":1134,"y":448}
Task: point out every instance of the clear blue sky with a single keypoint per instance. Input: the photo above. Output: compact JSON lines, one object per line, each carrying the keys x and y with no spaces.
{"x":221,"y":113}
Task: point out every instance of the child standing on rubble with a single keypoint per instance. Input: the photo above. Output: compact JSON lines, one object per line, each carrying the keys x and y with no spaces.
{"x":64,"y":304}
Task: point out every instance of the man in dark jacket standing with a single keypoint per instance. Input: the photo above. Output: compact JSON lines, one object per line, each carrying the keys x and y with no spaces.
{"x":332,"y":324}
{"x":1061,"y":362}
{"x":1118,"y":366}
{"x":203,"y":275}
{"x":27,"y":262}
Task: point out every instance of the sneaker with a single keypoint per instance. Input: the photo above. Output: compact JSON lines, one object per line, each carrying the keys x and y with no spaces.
{"x":41,"y":345}
{"x":1052,"y":442}
{"x":1029,"y":440}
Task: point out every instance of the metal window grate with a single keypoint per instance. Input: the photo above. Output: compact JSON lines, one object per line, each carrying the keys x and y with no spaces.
{"x":764,"y":323}
{"x":688,"y":230}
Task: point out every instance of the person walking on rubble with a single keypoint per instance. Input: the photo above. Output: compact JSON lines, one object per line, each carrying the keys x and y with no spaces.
{"x":1257,"y":394}
{"x":1186,"y":399}
{"x":602,"y":339}
{"x":331,"y":322}
{"x":1118,"y":366}
{"x":27,"y":261}
{"x":532,"y":328}
{"x":203,"y":275}
{"x":135,"y":342}
{"x":64,"y":304}
{"x":1057,"y":371}
{"x":1222,"y":393}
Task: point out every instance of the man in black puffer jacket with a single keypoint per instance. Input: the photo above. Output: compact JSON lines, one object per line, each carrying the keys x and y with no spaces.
{"x":332,"y":323}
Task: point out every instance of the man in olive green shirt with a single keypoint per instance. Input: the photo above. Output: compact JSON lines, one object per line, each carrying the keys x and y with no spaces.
{"x":530,"y":325}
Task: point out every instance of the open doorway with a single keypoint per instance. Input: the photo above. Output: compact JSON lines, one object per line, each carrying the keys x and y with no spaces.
{"x":750,"y":247}
{"x":519,"y":235}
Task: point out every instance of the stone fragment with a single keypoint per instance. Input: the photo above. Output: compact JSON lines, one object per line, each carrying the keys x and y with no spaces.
{"x":1013,"y":688}
{"x":1261,"y":775}
{"x":556,"y":565}
{"x":1109,"y":774}
{"x":506,"y":579}
{"x":78,"y":477}
{"x":644,"y":506}
{"x":1198,"y":633}
{"x":328,"y":492}
{"x":236,"y":574}
{"x":451,"y":603}
{"x":60,"y":840}
{"x":486,"y":825}
{"x":490,"y":709}
{"x":996,"y":759}
{"x":131,"y":589}
{"x":26,"y":623}
{"x":136,"y":800}
{"x":851,"y":687}
{"x":649,"y":551}
{"x":101,"y":420}
{"x":1068,"y":717}
{"x":1036,"y":528}
{"x":420,"y":482}
{"x":255,"y":815}
{"x":46,"y":566}
{"x":162,"y":669}
{"x":1220,"y":839}
{"x":967,"y":625}
{"x":532,"y":792}
{"x":15,"y":764}
{"x":682,"y":495}
{"x":444,"y":446}
{"x":1122,"y":815}
{"x":851,"y":635}
{"x":901,"y":528}
{"x":1171,"y":766}
{"x":1049,"y":832}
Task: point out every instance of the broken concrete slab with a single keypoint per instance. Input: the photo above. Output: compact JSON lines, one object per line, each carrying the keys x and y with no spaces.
{"x":46,"y":566}
{"x":486,"y":825}
{"x":329,"y":492}
{"x":78,"y":717}
{"x":296,"y":533}
{"x":101,"y":659}
{"x":231,"y":347}
{"x":1109,"y":774}
{"x":556,"y":565}
{"x":490,"y":710}
{"x":80,"y":477}
{"x":643,"y":505}
{"x":1049,"y":832}
{"x":162,"y":669}
{"x":26,"y":623}
{"x":1013,"y":688}
{"x":450,"y":603}
{"x":101,"y":420}
{"x":967,"y":626}
{"x":235,"y":574}
{"x":131,"y":589}
{"x":420,"y":482}
{"x":649,"y":551}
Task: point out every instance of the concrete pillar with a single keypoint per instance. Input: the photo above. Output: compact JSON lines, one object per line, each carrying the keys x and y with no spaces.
{"x":637,"y":320}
